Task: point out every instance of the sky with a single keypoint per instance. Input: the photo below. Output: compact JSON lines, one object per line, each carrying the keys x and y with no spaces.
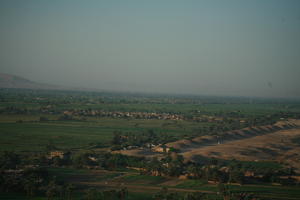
{"x":212,"y":47}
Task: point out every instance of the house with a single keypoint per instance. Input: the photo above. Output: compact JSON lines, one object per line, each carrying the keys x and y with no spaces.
{"x":249,"y":174}
{"x":161,"y":149}
{"x":59,"y":154}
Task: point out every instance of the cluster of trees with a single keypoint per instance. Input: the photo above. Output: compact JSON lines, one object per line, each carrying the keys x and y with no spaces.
{"x":30,"y":181}
{"x":171,"y":165}
{"x":94,"y":194}
{"x":14,"y":110}
{"x":14,"y":178}
{"x":82,"y":159}
{"x":148,"y":138}
{"x":223,"y":191}
{"x":17,"y":176}
{"x":218,"y":171}
{"x":165,"y":194}
{"x":66,"y":117}
{"x":66,"y":192}
{"x":108,"y":161}
{"x":35,"y":180}
{"x":236,"y":123}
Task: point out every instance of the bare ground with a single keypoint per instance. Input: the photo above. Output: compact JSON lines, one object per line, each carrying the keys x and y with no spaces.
{"x":264,"y":143}
{"x":274,"y":146}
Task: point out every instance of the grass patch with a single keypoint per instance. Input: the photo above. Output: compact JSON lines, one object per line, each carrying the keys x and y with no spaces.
{"x":192,"y":184}
{"x":15,"y":196}
{"x":276,"y":192}
{"x":32,"y":135}
{"x":144,"y":179}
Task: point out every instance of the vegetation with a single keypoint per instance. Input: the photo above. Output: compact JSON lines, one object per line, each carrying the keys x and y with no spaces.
{"x":67,"y":144}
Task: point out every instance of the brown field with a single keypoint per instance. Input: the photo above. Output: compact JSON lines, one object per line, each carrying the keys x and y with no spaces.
{"x":274,"y":146}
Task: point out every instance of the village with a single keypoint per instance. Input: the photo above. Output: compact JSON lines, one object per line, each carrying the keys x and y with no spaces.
{"x":118,"y":114}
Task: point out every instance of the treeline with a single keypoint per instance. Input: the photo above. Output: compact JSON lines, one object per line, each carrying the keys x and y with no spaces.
{"x":212,"y":170}
{"x":228,"y":124}
{"x":145,"y":139}
{"x":28,"y":174}
{"x":171,"y":165}
{"x":16,"y":176}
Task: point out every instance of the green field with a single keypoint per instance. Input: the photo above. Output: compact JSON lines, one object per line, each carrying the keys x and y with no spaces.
{"x":32,"y":135}
{"x":262,"y":191}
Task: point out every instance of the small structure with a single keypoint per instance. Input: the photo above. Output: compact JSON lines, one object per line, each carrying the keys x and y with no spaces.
{"x":183,"y":177}
{"x":249,"y":174}
{"x":161,"y":149}
{"x":92,"y":158}
{"x":59,"y":154}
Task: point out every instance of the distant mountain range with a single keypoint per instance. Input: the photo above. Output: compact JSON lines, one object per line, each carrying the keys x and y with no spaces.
{"x":12,"y":81}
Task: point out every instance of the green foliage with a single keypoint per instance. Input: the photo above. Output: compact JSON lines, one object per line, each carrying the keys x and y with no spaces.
{"x":296,"y":140}
{"x":194,"y":196}
{"x":66,"y":120}
{"x":83,"y":158}
{"x":30,"y":180}
{"x":9,"y":160}
{"x":113,"y":161}
{"x":139,"y":139}
{"x":43,"y":119}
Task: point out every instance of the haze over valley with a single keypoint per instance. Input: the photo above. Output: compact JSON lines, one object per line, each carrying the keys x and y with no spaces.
{"x":152,"y":100}
{"x":203,"y":48}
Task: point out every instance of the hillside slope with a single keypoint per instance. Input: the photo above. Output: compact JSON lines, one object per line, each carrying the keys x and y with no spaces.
{"x":281,"y":146}
{"x":12,"y":81}
{"x":277,"y":142}
{"x":208,"y":140}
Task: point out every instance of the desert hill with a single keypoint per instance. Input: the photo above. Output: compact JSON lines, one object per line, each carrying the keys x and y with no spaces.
{"x":12,"y":81}
{"x":277,"y":142}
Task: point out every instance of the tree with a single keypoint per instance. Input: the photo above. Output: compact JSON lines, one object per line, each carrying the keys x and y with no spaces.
{"x":155,"y":167}
{"x":192,"y":171}
{"x":115,"y":161}
{"x":109,"y":195}
{"x":161,"y":194}
{"x":117,"y":140}
{"x":224,"y":191}
{"x":69,"y":191}
{"x":91,"y":194}
{"x":82,"y":158}
{"x":194,"y":196}
{"x":122,"y":194}
{"x":237,"y":176}
{"x":9,"y":160}
{"x":52,"y":190}
{"x":30,"y":187}
{"x":43,"y":119}
{"x":50,"y":146}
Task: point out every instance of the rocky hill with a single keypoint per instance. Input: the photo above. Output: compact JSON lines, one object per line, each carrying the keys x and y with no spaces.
{"x":12,"y":81}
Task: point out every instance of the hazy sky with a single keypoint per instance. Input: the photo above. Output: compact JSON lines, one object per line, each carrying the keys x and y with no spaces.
{"x":232,"y":47}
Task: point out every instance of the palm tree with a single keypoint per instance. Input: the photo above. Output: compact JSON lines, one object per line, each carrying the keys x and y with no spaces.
{"x":194,"y":196}
{"x":91,"y":194}
{"x":51,"y":191}
{"x":69,"y":191}
{"x":30,"y":187}
{"x":123,"y":193}
{"x":192,"y":170}
{"x":224,"y":191}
